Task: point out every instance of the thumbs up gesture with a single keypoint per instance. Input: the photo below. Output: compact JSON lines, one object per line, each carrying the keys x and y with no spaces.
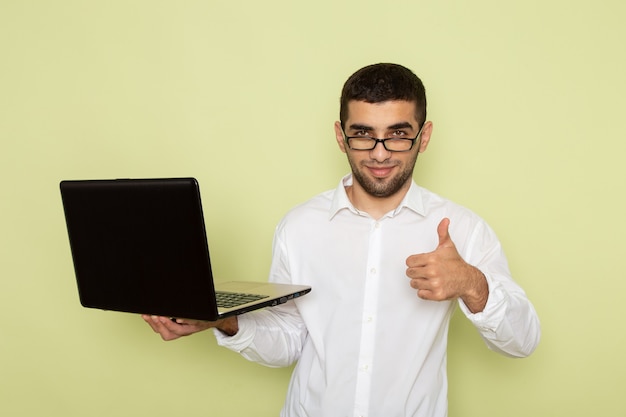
{"x":443,"y":275}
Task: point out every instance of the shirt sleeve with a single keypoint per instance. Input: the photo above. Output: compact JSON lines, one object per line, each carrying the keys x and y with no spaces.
{"x":509,"y":323}
{"x":274,"y":336}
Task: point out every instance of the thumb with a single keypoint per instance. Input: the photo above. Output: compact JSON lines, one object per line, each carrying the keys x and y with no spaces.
{"x":444,"y":234}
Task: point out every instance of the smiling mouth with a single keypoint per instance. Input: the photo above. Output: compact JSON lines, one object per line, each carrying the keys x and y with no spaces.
{"x":380,"y":172}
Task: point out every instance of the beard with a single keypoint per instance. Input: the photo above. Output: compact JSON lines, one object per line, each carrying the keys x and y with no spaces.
{"x":382,"y":187}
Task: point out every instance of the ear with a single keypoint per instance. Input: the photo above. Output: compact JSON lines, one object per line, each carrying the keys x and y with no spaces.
{"x":427,"y":130}
{"x":339,"y":136}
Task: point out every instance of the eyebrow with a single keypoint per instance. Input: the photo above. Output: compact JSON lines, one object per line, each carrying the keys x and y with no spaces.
{"x":357,"y":126}
{"x":401,"y":125}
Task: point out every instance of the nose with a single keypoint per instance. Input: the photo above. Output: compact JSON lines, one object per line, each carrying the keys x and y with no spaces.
{"x":379,"y":153}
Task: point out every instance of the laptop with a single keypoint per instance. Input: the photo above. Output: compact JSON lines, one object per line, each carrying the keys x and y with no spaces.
{"x":140,"y":246}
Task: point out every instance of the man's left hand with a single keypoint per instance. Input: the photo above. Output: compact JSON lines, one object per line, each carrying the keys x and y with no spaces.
{"x":443,"y":274}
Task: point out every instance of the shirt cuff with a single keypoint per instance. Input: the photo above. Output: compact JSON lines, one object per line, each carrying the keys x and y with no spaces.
{"x":494,"y":312}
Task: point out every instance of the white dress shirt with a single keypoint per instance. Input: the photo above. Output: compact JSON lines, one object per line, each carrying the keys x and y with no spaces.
{"x":366,"y":345}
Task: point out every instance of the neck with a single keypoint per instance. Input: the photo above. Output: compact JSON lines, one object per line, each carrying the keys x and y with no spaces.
{"x":376,"y":207}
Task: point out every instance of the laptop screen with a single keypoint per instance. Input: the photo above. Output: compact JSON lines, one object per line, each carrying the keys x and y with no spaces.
{"x":140,"y":246}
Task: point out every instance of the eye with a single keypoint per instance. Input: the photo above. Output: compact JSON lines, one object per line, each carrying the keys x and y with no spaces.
{"x":399,"y":133}
{"x":361,"y":133}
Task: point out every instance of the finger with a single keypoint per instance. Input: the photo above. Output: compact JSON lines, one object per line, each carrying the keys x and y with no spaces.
{"x":418,"y":272}
{"x":178,"y":327}
{"x":154,"y":325}
{"x":165,"y":327}
{"x":421,"y":284}
{"x":424,"y":293}
{"x":418,"y":260}
{"x":412,"y":261}
{"x":443,"y":232}
{"x":190,"y":322}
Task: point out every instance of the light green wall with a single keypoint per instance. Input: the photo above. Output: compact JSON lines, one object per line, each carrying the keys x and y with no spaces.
{"x":527,"y":99}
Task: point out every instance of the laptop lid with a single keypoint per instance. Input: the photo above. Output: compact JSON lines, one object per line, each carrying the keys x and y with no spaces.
{"x":140,"y":246}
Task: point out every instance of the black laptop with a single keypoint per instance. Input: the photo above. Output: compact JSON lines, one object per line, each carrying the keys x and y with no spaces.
{"x":140,"y":246}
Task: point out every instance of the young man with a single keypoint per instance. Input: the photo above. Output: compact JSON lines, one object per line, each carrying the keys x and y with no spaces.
{"x":366,"y":344}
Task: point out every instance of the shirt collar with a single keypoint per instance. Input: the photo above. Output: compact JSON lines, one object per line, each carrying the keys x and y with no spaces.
{"x":413,"y":200}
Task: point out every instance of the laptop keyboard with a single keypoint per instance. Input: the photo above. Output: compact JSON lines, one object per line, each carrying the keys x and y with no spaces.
{"x":231,"y":299}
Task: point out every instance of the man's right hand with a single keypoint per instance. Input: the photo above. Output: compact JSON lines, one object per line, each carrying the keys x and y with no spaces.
{"x":173,"y":329}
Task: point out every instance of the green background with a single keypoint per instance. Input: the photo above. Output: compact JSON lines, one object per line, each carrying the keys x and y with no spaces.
{"x":527,"y":99}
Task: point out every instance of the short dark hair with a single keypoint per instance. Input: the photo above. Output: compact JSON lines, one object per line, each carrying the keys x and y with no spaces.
{"x":378,"y":83}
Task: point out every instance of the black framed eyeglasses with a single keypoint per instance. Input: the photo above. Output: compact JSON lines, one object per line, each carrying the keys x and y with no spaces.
{"x":367,"y":143}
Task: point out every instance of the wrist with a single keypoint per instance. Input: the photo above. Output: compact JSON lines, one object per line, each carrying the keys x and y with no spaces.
{"x":229,"y":326}
{"x":477,"y":294}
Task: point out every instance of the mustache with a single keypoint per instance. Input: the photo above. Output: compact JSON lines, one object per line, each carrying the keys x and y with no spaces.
{"x":372,"y":163}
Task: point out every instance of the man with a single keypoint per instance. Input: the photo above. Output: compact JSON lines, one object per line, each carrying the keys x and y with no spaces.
{"x":365,"y":344}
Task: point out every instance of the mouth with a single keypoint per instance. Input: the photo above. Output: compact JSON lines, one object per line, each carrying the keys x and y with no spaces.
{"x":380,"y":172}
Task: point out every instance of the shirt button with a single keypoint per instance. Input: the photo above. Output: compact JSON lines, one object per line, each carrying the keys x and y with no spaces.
{"x":373,"y":271}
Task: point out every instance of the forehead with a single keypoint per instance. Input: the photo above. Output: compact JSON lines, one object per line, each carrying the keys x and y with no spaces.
{"x":381,"y":115}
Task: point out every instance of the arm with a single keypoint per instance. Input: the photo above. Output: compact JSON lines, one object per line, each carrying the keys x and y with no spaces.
{"x":444,"y":275}
{"x":488,"y":296}
{"x":273,"y":337}
{"x":171,"y":330}
{"x":509,"y":324}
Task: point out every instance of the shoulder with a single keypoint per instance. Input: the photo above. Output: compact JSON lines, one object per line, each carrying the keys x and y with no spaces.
{"x":310,"y":212}
{"x":437,"y":207}
{"x":434,"y":203}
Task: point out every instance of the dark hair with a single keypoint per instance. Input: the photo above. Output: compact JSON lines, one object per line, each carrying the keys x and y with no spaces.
{"x":384,"y":82}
